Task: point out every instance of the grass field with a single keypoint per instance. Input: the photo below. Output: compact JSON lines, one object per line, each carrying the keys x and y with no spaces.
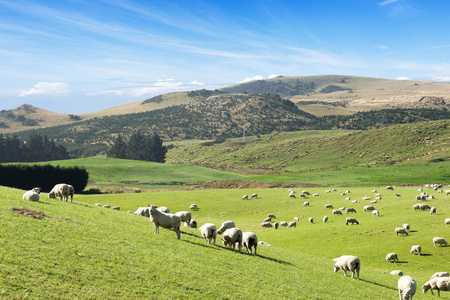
{"x":79,"y":250}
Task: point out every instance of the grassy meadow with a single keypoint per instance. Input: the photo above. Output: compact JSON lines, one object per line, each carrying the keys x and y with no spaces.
{"x":81,"y":251}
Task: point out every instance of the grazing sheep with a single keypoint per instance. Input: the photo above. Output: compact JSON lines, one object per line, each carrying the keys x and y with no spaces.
{"x":226,"y":225}
{"x":342,"y":208}
{"x":392,"y":257}
{"x":249,"y":240}
{"x":245,"y":197}
{"x":31,"y":195}
{"x":327,"y":206}
{"x":98,"y":204}
{"x":431,"y":197}
{"x":366,"y":198}
{"x":327,"y":191}
{"x":306,"y":192}
{"x":283,"y":224}
{"x":116,"y":207}
{"x":276,"y":224}
{"x":373,"y":201}
{"x":292,"y":224}
{"x":375,"y":213}
{"x":263,"y":243}
{"x":302,"y":196}
{"x":267,"y":224}
{"x":398,"y":195}
{"x":378,"y":195}
{"x":267,"y":219}
{"x":400,"y":230}
{"x":433,"y":211}
{"x":406,"y":287}
{"x":306,"y":203}
{"x":164,"y":209}
{"x":389,"y":187}
{"x":185,"y":216}
{"x":311,"y":220}
{"x":407,"y":226}
{"x":416,"y":207}
{"x":316,"y":195}
{"x":232,"y":236}
{"x":71,"y":191}
{"x":192,"y":224}
{"x":374,"y":191}
{"x":337,"y":212}
{"x":193,"y":207}
{"x":325,"y":219}
{"x":447,"y":222}
{"x":351,"y":220}
{"x":397,"y":273}
{"x":209,"y":232}
{"x":351,"y":209}
{"x":296,"y":219}
{"x":165,"y":220}
{"x":424,"y":206}
{"x":437,"y":283}
{"x":143,"y":211}
{"x":107,"y":206}
{"x":440,"y":274}
{"x":292,"y":195}
{"x":271,"y":216}
{"x":348,"y":198}
{"x":369,"y":208}
{"x":60,"y":190}
{"x":447,"y":192}
{"x":291,"y":191}
{"x":416,"y":249}
{"x":355,"y":201}
{"x":440,"y":241}
{"x":342,"y":194}
{"x":347,"y":263}
{"x":254,"y":196}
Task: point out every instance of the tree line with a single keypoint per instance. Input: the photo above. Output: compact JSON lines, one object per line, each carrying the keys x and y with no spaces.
{"x":34,"y":148}
{"x":139,"y":147}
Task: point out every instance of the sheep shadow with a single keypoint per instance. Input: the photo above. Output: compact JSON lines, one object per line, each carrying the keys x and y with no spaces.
{"x":209,"y":246}
{"x":378,"y":284}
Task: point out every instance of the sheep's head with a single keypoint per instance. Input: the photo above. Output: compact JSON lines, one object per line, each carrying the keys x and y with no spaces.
{"x":51,"y":195}
{"x":152,"y":208}
{"x":37,"y":190}
{"x":426,"y":287}
{"x":336,"y":268}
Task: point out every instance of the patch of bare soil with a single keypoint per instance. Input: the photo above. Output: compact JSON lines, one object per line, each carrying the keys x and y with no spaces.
{"x":28,"y":212}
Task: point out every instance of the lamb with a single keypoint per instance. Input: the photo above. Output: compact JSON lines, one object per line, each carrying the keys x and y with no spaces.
{"x":375,"y":213}
{"x":351,"y":209}
{"x":193,"y":207}
{"x":254,"y":196}
{"x":351,"y":220}
{"x":327,"y":206}
{"x":416,"y":249}
{"x":369,"y":208}
{"x":164,"y":220}
{"x":232,"y":236}
{"x":347,"y":191}
{"x":397,"y":273}
{"x":337,"y":212}
{"x":245,"y":197}
{"x":71,"y":191}
{"x":440,"y":274}
{"x":185,"y":216}
{"x":407,"y":226}
{"x":283,"y":224}
{"x":401,"y":230}
{"x":424,"y":207}
{"x":311,"y":220}
{"x":433,"y":211}
{"x":374,"y":191}
{"x":31,"y":195}
{"x":325,"y":219}
{"x":226,"y":225}
{"x":406,"y":287}
{"x":447,"y":222}
{"x":143,"y":211}
{"x":392,"y":257}
{"x":306,"y":204}
{"x":348,"y":263}
{"x":292,"y":224}
{"x":437,"y":283}
{"x":327,"y":191}
{"x":249,"y":240}
{"x":60,"y":190}
{"x":440,"y":241}
{"x":164,"y":209}
{"x":267,"y":224}
{"x":431,"y":197}
{"x":209,"y":232}
{"x":192,"y":224}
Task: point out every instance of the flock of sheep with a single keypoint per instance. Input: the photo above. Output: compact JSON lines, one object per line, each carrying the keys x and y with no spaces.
{"x":61,"y":190}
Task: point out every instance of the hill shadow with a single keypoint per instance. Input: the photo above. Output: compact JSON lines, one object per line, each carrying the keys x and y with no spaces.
{"x":378,"y":284}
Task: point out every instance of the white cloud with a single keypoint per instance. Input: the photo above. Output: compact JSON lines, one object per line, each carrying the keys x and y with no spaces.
{"x":195,"y":82}
{"x":46,"y":88}
{"x":382,"y":47}
{"x":248,"y":79}
{"x":168,"y":83}
{"x":273,"y":76}
{"x":386,"y":2}
{"x":402,"y":78}
{"x":442,"y":78}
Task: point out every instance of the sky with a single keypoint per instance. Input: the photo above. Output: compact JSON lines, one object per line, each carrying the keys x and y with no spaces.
{"x":82,"y":56}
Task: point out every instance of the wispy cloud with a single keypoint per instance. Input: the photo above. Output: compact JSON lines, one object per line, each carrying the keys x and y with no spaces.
{"x":46,"y":88}
{"x":386,"y":2}
{"x":403,"y":78}
{"x":399,"y":9}
{"x":382,"y":47}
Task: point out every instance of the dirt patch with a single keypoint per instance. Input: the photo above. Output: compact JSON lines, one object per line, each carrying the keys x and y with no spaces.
{"x":28,"y":212}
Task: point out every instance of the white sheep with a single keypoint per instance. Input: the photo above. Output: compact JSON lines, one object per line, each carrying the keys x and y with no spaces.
{"x":416,"y":249}
{"x":296,"y":219}
{"x":98,"y":204}
{"x":254,"y":196}
{"x":231,"y":237}
{"x":327,"y":191}
{"x":107,"y":206}
{"x":116,"y":207}
{"x":447,"y":222}
{"x":374,"y":191}
{"x":397,"y":273}
{"x":433,"y":211}
{"x":164,"y":209}
{"x":351,"y":220}
{"x":306,"y":204}
{"x":373,"y":201}
{"x":271,"y":216}
{"x":283,"y":224}
{"x":342,"y":208}
{"x":276,"y":224}
{"x":143,"y":211}
{"x":392,"y":257}
{"x":264,"y":243}
{"x":407,"y":226}
{"x":355,"y":201}
{"x":351,"y":209}
{"x":71,"y":192}
{"x":266,"y":220}
{"x":366,"y":198}
{"x":193,"y":207}
{"x":337,"y":212}
{"x":311,"y":220}
{"x":31,"y":195}
{"x":292,"y":224}
{"x":325,"y":219}
{"x":292,"y":195}
{"x":165,"y":220}
{"x":245,"y":197}
{"x":400,"y":230}
{"x":440,"y":274}
{"x":209,"y":232}
{"x":347,"y":191}
{"x":267,"y":224}
{"x":327,"y":206}
{"x":348,"y":263}
{"x":369,"y":208}
{"x":60,"y":190}
{"x":316,"y":195}
{"x":185,"y":216}
{"x":347,"y":198}
{"x":437,"y":283}
{"x":192,"y":224}
{"x":440,"y":241}
{"x":406,"y":287}
{"x":375,"y":213}
{"x":302,"y":196}
{"x":305,"y":192}
{"x":249,"y":240}
{"x":225,"y":226}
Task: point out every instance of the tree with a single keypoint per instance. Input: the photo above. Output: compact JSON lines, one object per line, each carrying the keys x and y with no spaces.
{"x":156,"y":149}
{"x":119,"y":149}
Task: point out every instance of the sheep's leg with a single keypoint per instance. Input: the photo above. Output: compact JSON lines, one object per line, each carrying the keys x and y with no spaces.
{"x":156,"y":228}
{"x":345,"y":273}
{"x":400,"y":293}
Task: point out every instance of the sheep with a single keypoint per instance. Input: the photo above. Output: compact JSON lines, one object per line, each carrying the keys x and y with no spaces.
{"x":245,"y":197}
{"x":232,"y":236}
{"x":392,"y":257}
{"x":283,"y":224}
{"x":347,"y":263}
{"x":351,"y":209}
{"x":374,"y":191}
{"x":433,"y":211}
{"x":342,"y":194}
{"x":327,"y":191}
{"x":249,"y":240}
{"x":325,"y":219}
{"x":254,"y":196}
{"x":271,"y":216}
{"x":263,"y":243}
{"x":373,"y":201}
{"x":397,"y":273}
{"x":416,"y":249}
{"x":209,"y":232}
{"x":302,"y":196}
{"x":424,"y":207}
{"x":401,"y":230}
{"x":267,"y":224}
{"x":193,"y":207}
{"x":406,"y":287}
{"x":316,"y":195}
{"x":60,"y":190}
{"x":292,"y":195}
{"x":355,"y":201}
{"x":375,"y":213}
{"x":421,"y":198}
{"x":275,"y":225}
{"x":306,"y":192}
{"x":311,"y":220}
{"x":116,"y":207}
{"x":185,"y":216}
{"x":437,"y":283}
{"x":296,"y":219}
{"x":192,"y":224}
{"x":447,"y":192}
{"x":143,"y":211}
{"x":98,"y":204}
{"x":369,"y":208}
{"x":164,"y":209}
{"x":107,"y":206}
{"x":226,"y":225}
{"x":71,"y":191}
{"x":431,"y":197}
{"x":378,"y":195}
{"x":389,"y":187}
{"x":440,"y":241}
{"x":337,"y":212}
{"x":348,"y":198}
{"x":327,"y":206}
{"x":267,"y":219}
{"x":366,"y":198}
{"x":440,"y":274}
{"x":306,"y":204}
{"x":351,"y":220}
{"x":398,"y":195}
{"x":291,"y":191}
{"x":407,"y":226}
{"x":292,"y":224}
{"x":447,"y":222}
{"x":342,"y":208}
{"x":31,"y":195}
{"x":165,"y":220}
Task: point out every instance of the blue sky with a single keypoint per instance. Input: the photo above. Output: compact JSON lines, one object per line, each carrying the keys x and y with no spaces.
{"x":82,"y":56}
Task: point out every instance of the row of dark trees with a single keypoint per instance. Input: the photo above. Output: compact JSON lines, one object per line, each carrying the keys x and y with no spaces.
{"x":139,"y":147}
{"x":34,"y":148}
